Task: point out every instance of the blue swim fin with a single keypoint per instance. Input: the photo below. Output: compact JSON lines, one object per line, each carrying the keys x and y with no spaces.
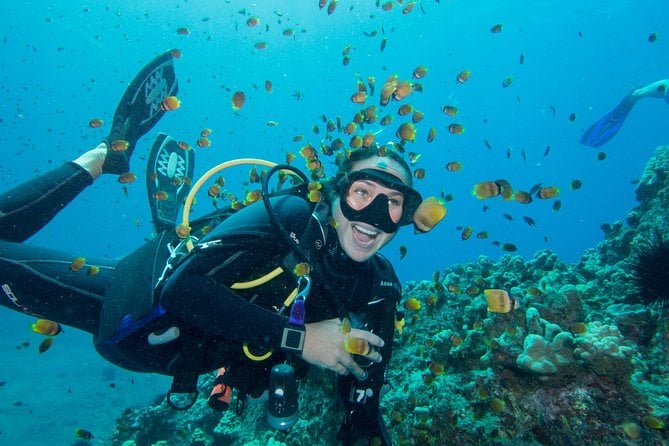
{"x":608,"y":125}
{"x":169,"y":171}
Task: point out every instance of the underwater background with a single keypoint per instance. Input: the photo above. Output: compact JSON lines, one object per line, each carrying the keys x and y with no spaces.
{"x":65,"y":63}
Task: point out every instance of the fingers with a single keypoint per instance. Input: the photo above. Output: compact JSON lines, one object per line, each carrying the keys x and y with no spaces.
{"x":370,"y":337}
{"x":351,"y":366}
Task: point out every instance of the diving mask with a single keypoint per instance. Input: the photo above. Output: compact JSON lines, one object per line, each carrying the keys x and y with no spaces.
{"x":377,"y":212}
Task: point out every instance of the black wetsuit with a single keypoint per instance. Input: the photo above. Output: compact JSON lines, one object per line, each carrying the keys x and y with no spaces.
{"x":124,"y":304}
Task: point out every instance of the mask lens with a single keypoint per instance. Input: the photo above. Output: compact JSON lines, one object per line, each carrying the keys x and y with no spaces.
{"x":362,"y":193}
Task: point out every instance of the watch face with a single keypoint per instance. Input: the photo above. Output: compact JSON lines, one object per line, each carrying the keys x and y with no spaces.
{"x":293,"y":338}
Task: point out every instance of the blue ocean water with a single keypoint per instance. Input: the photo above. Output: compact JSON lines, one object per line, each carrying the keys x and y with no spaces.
{"x":64,"y":63}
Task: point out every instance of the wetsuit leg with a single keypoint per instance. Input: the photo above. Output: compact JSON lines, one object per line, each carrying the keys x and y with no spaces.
{"x":28,"y":207}
{"x":39,"y":281}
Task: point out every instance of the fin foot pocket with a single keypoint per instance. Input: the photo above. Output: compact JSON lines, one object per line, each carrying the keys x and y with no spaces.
{"x":169,"y":172}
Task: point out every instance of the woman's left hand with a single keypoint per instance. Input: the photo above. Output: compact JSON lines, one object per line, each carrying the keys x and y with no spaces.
{"x":324,"y":346}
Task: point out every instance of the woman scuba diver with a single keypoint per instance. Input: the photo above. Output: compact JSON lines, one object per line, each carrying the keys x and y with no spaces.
{"x":224,"y":303}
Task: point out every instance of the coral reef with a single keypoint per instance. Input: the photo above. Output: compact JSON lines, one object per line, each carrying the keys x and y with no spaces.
{"x":577,"y":363}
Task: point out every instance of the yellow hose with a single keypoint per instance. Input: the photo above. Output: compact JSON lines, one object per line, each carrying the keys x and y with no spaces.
{"x":188,"y":204}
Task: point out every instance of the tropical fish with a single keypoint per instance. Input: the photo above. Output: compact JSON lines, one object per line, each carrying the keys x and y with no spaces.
{"x":403,"y":251}
{"x":456,"y":129}
{"x":431,"y":134}
{"x":77,"y":264}
{"x":509,"y":247}
{"x":93,"y":270}
{"x":45,"y":345}
{"x":530,"y":221}
{"x":408,"y":8}
{"x":332,"y":7}
{"x":412,"y":304}
{"x":548,"y":192}
{"x":405,"y":109}
{"x":399,"y":322}
{"x":356,"y":346}
{"x":170,"y":103}
{"x":429,"y":213}
{"x":95,"y":123}
{"x":359,"y":97}
{"x":450,"y":110}
{"x":454,"y":166}
{"x":522,"y":197}
{"x":496,"y":28}
{"x":119,"y":145}
{"x":419,"y":72}
{"x":402,"y":90}
{"x":534,"y":291}
{"x":406,"y":132}
{"x":238,"y":99}
{"x":127,"y":177}
{"x":486,"y":189}
{"x":83,"y":434}
{"x":499,"y":301}
{"x":161,"y":195}
{"x":463,"y":76}
{"x":46,"y":327}
{"x":203,"y":142}
{"x":414,"y":157}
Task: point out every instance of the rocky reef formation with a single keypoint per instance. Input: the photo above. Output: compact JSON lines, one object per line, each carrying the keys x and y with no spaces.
{"x":578,"y":362}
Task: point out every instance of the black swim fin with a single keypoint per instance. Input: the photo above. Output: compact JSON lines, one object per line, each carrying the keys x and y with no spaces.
{"x":139,"y":110}
{"x":169,"y":172}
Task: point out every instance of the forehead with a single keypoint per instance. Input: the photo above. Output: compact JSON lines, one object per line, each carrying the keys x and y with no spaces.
{"x":382,"y":163}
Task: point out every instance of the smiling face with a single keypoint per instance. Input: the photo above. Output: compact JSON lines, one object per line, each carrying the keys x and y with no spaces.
{"x":361,"y":240}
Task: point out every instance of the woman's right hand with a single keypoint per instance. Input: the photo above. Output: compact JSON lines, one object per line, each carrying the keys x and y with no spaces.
{"x":324,"y":347}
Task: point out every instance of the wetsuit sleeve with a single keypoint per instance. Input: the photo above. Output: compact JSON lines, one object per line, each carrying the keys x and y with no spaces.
{"x":199,"y":291}
{"x":215,"y":309}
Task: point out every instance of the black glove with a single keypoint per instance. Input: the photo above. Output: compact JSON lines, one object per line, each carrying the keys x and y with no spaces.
{"x":358,"y":425}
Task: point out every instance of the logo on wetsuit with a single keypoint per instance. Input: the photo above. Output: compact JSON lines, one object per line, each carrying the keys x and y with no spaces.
{"x":10,"y":294}
{"x":360,"y":394}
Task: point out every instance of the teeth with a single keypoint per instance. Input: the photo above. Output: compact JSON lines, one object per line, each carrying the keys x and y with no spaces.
{"x":369,"y":232}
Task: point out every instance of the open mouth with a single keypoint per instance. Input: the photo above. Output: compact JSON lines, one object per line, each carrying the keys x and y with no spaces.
{"x":364,"y":236}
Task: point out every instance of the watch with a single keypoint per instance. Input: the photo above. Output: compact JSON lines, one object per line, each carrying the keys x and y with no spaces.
{"x":293,"y":338}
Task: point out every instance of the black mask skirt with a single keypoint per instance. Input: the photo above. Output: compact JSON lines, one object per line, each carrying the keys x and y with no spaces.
{"x":376,"y":213}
